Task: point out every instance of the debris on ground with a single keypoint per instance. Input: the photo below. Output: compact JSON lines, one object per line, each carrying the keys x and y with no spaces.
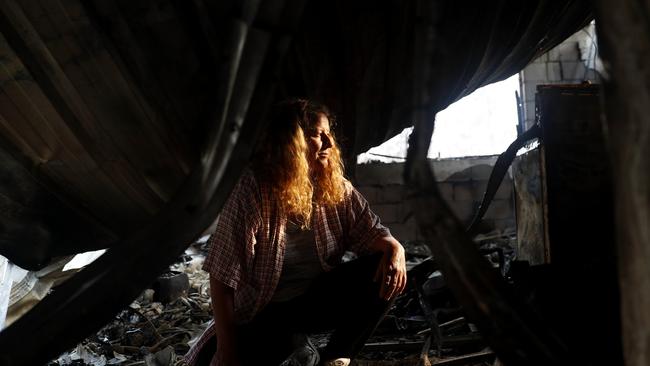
{"x":155,"y":329}
{"x":426,"y":326}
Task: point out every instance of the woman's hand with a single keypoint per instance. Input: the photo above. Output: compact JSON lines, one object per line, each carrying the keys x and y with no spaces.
{"x":391,"y":272}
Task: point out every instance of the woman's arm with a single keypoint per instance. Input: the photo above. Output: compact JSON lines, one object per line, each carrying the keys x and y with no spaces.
{"x":224,"y":319}
{"x":392,"y":267}
{"x":366,"y":234}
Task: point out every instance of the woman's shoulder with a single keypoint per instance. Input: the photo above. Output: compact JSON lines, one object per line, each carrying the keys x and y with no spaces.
{"x":348,"y":187}
{"x":353,"y":197}
{"x":351,"y":194}
{"x":247,"y":186}
{"x":248,"y":176}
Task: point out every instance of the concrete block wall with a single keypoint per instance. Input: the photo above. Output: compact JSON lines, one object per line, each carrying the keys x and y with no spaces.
{"x":571,"y":62}
{"x":461,"y":181}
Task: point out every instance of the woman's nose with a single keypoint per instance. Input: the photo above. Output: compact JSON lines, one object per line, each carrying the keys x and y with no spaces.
{"x":327,"y":141}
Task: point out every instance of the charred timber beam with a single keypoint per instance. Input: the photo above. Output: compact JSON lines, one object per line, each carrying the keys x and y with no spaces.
{"x":70,"y":104}
{"x":448,"y":341}
{"x":624,"y":37}
{"x":469,"y":359}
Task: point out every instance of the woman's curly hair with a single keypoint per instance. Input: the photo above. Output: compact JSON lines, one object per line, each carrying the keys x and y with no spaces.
{"x":282,"y":162}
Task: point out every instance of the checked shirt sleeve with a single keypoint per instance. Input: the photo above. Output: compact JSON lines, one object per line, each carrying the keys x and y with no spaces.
{"x":231,"y":245}
{"x":364,"y":226}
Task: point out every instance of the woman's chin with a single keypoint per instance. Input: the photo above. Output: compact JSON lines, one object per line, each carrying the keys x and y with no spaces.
{"x":320,"y":164}
{"x":323,"y":162}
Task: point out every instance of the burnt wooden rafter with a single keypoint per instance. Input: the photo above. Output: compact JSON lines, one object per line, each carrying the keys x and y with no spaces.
{"x":84,"y":297}
{"x":114,"y":100}
{"x":52,"y":154}
{"x":69,"y":104}
{"x":130,"y":44}
{"x":112,"y":103}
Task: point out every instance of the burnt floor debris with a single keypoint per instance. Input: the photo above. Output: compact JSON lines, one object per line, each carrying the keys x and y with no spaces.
{"x":124,"y":125}
{"x":426,"y":324}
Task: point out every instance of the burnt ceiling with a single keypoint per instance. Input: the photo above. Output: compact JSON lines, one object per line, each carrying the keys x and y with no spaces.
{"x":133,"y":119}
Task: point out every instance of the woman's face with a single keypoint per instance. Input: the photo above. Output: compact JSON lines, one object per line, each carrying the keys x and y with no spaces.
{"x":320,"y":142}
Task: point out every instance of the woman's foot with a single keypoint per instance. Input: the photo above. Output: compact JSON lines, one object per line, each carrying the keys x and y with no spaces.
{"x":304,"y":354}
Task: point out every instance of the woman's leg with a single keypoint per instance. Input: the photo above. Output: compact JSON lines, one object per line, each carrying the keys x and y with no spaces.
{"x":346,"y":300}
{"x":266,"y":340}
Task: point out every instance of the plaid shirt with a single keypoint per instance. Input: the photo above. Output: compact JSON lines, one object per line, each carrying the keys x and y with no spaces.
{"x":247,"y":246}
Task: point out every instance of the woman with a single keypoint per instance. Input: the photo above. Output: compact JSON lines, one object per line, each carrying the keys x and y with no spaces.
{"x":275,"y":262}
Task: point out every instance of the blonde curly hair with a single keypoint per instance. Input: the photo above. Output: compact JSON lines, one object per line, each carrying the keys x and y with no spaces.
{"x":282,"y":162}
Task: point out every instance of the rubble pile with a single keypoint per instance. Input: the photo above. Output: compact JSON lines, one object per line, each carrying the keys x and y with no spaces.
{"x":150,"y":332}
{"x":426,"y":326}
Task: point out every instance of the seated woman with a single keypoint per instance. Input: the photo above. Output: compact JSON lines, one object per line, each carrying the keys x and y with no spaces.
{"x":275,"y":261}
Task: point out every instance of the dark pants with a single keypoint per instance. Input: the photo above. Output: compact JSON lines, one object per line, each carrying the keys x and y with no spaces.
{"x":344,"y":300}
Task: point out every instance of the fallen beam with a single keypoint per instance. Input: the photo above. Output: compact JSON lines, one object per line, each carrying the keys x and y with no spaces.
{"x":451,"y":341}
{"x":468,"y":359}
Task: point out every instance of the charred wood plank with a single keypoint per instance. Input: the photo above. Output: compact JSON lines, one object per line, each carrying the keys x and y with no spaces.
{"x":469,"y":359}
{"x":447,"y":326}
{"x":448,"y":341}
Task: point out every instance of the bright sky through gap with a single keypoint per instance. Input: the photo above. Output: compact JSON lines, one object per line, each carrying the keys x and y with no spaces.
{"x":482,"y":123}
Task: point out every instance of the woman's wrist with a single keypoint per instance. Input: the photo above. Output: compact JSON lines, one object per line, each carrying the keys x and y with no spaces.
{"x":391,"y":245}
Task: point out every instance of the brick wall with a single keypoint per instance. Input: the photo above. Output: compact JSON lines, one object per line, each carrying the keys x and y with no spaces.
{"x":571,"y":62}
{"x":461,"y":181}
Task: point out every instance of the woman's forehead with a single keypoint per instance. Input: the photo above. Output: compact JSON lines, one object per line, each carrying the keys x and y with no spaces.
{"x":322,"y":123}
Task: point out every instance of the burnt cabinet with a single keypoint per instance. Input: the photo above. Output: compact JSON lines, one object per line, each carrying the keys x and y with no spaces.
{"x":565,"y":223}
{"x":564,"y":190}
